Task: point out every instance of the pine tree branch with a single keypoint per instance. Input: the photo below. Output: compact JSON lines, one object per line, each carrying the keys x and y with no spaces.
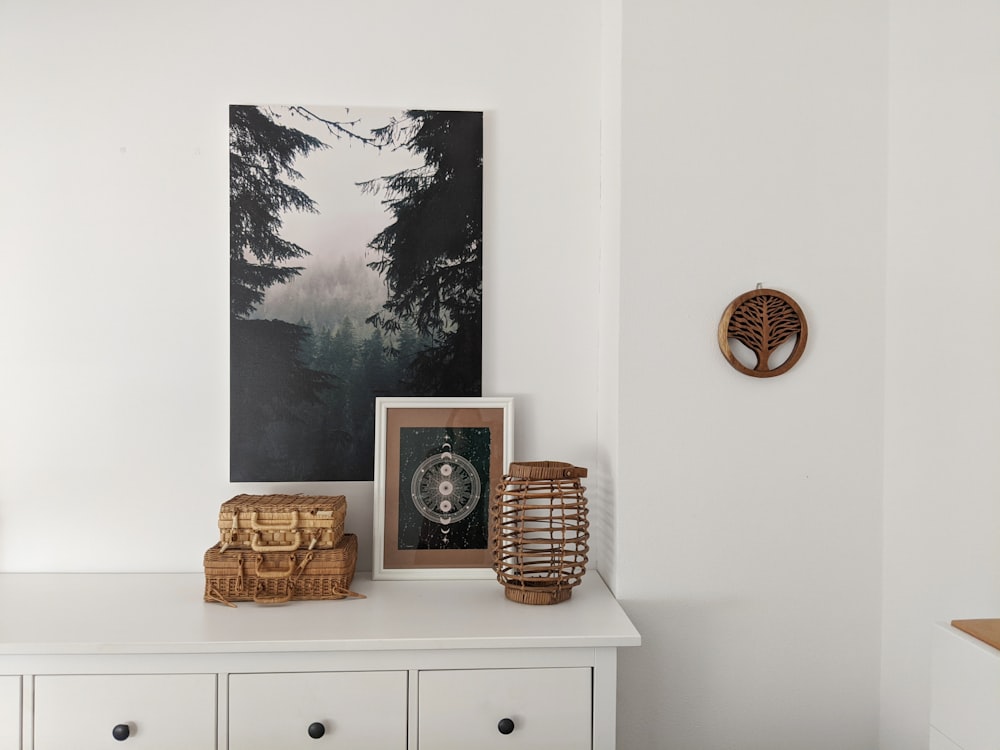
{"x":337,"y":129}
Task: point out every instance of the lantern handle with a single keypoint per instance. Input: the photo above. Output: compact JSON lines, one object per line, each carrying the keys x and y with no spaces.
{"x":546,"y":470}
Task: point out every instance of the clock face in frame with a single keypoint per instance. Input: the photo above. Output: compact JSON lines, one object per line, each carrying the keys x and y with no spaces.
{"x":444,"y":474}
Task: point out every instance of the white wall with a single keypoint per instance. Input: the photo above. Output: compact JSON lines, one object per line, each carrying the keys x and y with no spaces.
{"x":740,"y":521}
{"x":114,"y":384}
{"x":942,"y":514}
{"x":749,"y":511}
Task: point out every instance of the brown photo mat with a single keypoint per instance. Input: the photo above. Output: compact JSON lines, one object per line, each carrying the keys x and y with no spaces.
{"x":396,"y":419}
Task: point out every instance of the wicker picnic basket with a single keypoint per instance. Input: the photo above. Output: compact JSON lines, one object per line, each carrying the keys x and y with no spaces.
{"x":282,"y":523}
{"x":238,"y":575}
{"x":539,"y":537}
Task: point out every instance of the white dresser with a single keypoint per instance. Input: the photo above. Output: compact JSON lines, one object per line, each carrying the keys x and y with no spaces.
{"x":965,"y":687}
{"x":135,"y":660}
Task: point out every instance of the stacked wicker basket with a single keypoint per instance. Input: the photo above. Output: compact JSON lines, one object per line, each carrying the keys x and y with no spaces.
{"x":275,"y":548}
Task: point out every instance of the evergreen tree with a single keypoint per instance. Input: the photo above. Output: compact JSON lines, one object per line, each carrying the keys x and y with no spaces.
{"x":261,"y":158}
{"x":275,"y":396}
{"x":430,"y":257}
{"x":343,"y":352}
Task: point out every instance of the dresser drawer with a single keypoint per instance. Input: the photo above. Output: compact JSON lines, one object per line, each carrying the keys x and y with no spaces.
{"x":506,"y":709}
{"x":10,"y":711}
{"x":159,"y":712}
{"x":293,"y":710}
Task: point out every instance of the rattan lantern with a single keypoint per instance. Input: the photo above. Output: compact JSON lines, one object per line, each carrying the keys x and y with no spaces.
{"x":539,"y":531}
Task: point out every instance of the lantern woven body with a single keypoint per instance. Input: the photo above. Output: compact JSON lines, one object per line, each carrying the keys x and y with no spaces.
{"x":539,"y":536}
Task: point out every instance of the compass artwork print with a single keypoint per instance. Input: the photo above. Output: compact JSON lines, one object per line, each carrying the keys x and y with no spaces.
{"x":355,"y":272}
{"x":437,"y":463}
{"x":445,"y":471}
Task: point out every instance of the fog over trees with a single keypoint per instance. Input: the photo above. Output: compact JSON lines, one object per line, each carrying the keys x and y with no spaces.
{"x":318,"y":330}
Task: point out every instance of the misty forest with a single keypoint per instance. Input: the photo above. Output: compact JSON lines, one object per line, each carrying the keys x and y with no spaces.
{"x":315,"y":337}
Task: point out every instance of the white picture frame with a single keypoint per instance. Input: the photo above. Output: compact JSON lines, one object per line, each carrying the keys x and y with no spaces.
{"x":411,"y":540}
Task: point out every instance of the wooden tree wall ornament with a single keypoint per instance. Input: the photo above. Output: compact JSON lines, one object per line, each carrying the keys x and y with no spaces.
{"x":763,"y":320}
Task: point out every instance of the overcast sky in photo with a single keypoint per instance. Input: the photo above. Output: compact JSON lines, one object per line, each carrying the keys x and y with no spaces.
{"x":347,"y":220}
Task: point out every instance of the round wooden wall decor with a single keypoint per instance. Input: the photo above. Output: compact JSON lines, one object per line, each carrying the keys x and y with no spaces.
{"x":762,"y":321}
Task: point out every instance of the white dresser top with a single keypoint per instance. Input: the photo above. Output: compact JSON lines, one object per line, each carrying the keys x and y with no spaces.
{"x":127,"y":613}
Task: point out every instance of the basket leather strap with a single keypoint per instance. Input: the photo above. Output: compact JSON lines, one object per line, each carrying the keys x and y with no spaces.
{"x":546,"y":470}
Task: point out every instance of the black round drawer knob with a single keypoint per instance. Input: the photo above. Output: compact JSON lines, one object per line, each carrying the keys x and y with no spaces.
{"x":120,"y":732}
{"x":317,"y":730}
{"x":506,"y":726}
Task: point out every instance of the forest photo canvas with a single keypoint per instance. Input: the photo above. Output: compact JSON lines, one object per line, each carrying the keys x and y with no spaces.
{"x":355,"y":272}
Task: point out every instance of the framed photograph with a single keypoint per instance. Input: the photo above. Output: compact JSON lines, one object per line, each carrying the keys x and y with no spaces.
{"x":436,"y":463}
{"x":329,"y":205}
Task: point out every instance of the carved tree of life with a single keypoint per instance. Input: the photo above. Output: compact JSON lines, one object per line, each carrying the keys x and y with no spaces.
{"x":763,"y":320}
